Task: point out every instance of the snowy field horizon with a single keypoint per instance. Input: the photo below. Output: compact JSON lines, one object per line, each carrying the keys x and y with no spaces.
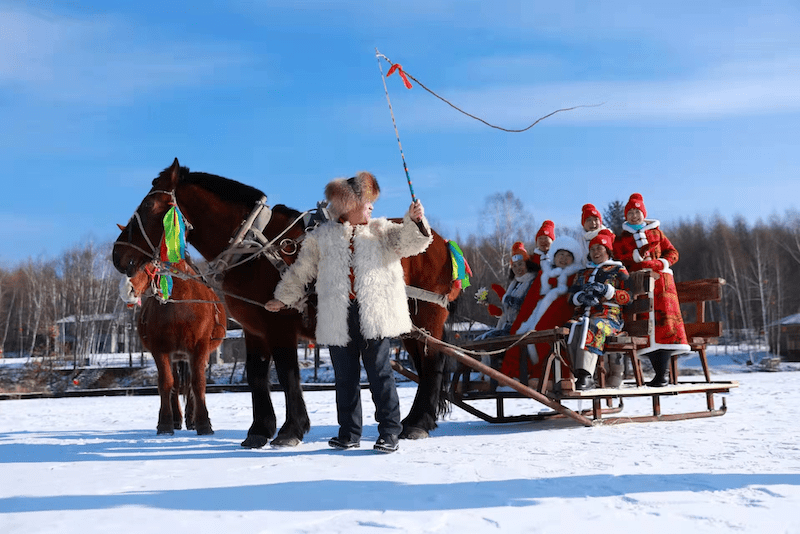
{"x":733,"y":358}
{"x":95,"y":464}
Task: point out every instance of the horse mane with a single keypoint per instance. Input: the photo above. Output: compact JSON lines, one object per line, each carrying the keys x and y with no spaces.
{"x":226,"y":189}
{"x":286,"y":210}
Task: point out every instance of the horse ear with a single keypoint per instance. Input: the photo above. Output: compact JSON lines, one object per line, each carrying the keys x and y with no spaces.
{"x":175,"y":173}
{"x":121,"y":228}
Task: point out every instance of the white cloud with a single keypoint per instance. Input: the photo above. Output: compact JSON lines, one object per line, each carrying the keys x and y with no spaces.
{"x":102,"y":60}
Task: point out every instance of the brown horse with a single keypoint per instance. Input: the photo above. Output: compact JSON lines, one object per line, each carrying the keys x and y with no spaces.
{"x":218,"y":210}
{"x":185,"y":328}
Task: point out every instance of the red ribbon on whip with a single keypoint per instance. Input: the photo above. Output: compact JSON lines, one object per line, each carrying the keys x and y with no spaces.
{"x":397,"y":67}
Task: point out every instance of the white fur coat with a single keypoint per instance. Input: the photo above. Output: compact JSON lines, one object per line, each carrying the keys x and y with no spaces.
{"x":379,"y":279}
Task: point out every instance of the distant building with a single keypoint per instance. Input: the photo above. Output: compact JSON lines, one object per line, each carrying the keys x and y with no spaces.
{"x":465,"y":330}
{"x":785,"y":339}
{"x":97,"y":333}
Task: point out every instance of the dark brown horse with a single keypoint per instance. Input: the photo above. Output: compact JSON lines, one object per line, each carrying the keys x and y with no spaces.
{"x":218,"y":210}
{"x":185,"y":328}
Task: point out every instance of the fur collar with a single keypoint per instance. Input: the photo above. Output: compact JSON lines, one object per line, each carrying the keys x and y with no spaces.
{"x":640,"y":236}
{"x":591,"y":234}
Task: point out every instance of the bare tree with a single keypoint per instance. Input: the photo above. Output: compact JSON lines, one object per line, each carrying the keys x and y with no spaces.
{"x":508,"y":222}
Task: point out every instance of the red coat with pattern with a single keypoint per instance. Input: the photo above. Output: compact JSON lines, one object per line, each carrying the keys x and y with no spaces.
{"x":605,"y":318}
{"x":649,"y":248}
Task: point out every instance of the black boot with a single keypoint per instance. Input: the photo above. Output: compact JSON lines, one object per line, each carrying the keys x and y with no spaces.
{"x":660,"y":361}
{"x":583,"y":380}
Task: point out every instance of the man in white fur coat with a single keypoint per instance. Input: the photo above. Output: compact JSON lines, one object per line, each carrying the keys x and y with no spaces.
{"x":361,"y":299}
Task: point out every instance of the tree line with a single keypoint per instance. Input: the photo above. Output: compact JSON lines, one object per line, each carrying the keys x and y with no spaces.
{"x":39,"y":297}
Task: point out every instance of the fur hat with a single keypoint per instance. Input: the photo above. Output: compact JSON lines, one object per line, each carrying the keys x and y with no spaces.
{"x":567,"y":243}
{"x":606,"y":238}
{"x":636,"y":201}
{"x":518,"y":252}
{"x":548,"y":228}
{"x":344,"y":194}
{"x":588,"y":210}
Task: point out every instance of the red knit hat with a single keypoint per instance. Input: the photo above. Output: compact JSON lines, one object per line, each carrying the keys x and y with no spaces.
{"x":518,"y":252}
{"x":548,"y":228}
{"x":588,"y":210}
{"x":605,"y":237}
{"x":636,"y":201}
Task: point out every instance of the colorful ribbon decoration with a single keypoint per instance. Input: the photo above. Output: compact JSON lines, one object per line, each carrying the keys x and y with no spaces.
{"x":399,"y":69}
{"x":173,"y":248}
{"x":165,"y":287}
{"x":461,"y":270}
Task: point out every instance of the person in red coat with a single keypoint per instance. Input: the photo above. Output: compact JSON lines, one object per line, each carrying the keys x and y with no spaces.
{"x":544,"y":240}
{"x":598,"y":295}
{"x":642,"y":245}
{"x":553,"y":308}
{"x":523,"y":272}
{"x":591,"y":224}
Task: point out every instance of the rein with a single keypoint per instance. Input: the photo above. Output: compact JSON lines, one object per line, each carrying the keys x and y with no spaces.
{"x":247,"y":244}
{"x":470,"y":352}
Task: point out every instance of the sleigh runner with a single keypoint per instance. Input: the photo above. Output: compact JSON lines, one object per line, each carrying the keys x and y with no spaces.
{"x":552,"y":390}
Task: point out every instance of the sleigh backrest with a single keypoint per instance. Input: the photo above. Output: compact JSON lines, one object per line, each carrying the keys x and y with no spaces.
{"x":699,"y":292}
{"x":640,"y":285}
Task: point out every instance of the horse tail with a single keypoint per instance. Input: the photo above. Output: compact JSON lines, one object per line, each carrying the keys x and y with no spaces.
{"x":181,"y":372}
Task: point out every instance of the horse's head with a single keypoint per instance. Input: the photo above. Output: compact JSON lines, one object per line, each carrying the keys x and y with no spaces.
{"x":138,"y":242}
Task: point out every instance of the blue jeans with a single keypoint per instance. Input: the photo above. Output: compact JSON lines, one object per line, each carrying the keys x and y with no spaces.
{"x":347,"y":370}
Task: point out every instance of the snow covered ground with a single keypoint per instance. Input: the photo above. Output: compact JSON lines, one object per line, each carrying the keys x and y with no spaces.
{"x":95,"y":464}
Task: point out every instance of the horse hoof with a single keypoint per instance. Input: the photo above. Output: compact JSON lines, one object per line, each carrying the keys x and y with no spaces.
{"x":165,"y":431}
{"x":254,"y":442}
{"x":285,"y":441}
{"x":414,"y":433}
{"x":204,"y":430}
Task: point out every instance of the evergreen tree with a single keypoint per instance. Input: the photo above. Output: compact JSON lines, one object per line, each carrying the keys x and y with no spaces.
{"x":614,"y":216}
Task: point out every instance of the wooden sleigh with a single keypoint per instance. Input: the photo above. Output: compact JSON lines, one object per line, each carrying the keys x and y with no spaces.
{"x":552,"y":391}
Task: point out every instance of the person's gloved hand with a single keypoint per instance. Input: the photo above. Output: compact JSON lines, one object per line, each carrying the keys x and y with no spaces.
{"x":587,"y":299}
{"x":597,"y":289}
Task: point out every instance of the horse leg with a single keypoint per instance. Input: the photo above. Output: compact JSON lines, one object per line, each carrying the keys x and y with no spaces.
{"x":188,"y":399}
{"x":431,"y":398}
{"x":297,"y":422}
{"x":198,"y":363}
{"x":166,"y":383}
{"x":421,"y":420}
{"x":178,"y":389}
{"x":264,"y":423}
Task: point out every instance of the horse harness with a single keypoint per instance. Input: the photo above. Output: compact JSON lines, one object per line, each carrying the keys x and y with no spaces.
{"x":249,"y":242}
{"x":154,"y":269}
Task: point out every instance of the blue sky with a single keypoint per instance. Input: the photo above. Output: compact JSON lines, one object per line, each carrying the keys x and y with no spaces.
{"x":701,"y":108}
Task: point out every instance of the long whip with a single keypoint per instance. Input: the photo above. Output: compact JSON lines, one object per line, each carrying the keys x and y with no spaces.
{"x":378,"y":55}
